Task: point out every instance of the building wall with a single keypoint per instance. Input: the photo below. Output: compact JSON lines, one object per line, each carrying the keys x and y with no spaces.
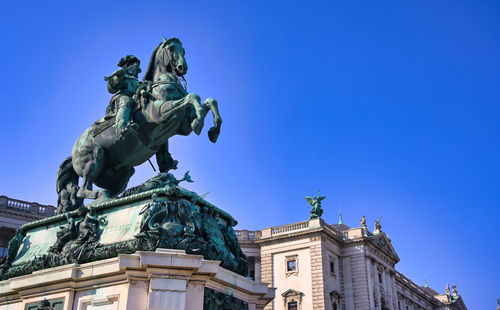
{"x":14,"y":213}
{"x":362,"y":275}
{"x":274,"y":259}
{"x":332,"y":278}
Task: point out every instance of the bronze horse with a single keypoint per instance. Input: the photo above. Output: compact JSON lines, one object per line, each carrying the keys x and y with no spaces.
{"x":165,"y":110}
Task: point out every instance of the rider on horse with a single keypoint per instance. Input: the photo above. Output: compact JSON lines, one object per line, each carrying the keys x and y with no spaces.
{"x":123,"y":83}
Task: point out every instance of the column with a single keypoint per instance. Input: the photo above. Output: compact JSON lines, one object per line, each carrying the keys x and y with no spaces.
{"x":394,"y":290}
{"x":370,"y":281}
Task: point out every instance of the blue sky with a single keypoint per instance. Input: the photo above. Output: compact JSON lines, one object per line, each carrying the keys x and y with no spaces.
{"x":389,"y":107}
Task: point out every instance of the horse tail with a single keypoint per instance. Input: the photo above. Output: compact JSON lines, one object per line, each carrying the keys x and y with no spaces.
{"x":67,"y":187}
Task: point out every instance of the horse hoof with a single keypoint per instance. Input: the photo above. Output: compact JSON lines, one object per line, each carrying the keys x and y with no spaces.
{"x":213,"y":134}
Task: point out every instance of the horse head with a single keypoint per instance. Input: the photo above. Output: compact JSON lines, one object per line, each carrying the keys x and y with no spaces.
{"x":167,"y":57}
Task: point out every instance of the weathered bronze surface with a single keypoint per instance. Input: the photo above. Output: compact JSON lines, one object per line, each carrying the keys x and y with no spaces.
{"x":315,"y":203}
{"x":214,"y":300}
{"x":165,"y":215}
{"x":139,"y":120}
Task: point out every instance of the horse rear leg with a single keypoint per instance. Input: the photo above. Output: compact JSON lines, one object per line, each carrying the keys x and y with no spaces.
{"x":91,"y":170}
{"x":114,"y":180}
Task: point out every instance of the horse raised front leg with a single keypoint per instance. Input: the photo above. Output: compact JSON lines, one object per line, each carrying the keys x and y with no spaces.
{"x":199,"y":121}
{"x":214,"y":131}
{"x":91,"y":169}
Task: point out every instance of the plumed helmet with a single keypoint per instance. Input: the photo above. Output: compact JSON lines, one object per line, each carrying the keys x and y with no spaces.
{"x":128,"y":60}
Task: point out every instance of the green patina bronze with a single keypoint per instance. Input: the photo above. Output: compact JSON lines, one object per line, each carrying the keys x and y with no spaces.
{"x":156,"y":214}
{"x":315,"y":203}
{"x":214,"y":300}
{"x":139,"y":120}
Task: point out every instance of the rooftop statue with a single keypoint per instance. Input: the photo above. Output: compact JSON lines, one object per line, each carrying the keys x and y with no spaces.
{"x":140,"y":119}
{"x":378,"y":228}
{"x":315,"y":203}
{"x":363,"y":222}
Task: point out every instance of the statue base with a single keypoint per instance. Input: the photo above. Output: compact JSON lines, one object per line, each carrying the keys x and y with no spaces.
{"x":156,"y":214}
{"x":165,"y":279}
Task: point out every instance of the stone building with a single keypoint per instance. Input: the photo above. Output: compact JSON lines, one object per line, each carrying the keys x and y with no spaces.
{"x":314,"y":265}
{"x":14,"y":213}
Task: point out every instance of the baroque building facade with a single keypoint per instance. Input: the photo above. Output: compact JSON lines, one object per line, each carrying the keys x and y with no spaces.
{"x":14,"y":213}
{"x":314,"y":265}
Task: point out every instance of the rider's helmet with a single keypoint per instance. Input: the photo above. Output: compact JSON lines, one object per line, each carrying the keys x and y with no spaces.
{"x":131,"y":63}
{"x":128,"y":61}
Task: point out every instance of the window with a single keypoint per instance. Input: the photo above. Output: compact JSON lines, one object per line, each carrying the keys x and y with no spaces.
{"x":335,"y":298}
{"x":292,"y":300}
{"x":291,"y":265}
{"x":332,"y":266}
{"x":251,"y":267}
{"x":380,"y":277}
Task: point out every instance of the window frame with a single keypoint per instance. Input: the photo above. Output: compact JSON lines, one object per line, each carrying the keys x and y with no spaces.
{"x":290,"y":258}
{"x":332,"y":261}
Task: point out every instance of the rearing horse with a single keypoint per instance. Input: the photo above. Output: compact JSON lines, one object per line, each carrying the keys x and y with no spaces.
{"x":167,"y":110}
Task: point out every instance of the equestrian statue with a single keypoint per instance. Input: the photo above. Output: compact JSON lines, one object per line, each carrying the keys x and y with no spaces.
{"x":139,"y":120}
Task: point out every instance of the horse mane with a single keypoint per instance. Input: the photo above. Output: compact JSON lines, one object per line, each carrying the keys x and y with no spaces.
{"x":148,"y":76}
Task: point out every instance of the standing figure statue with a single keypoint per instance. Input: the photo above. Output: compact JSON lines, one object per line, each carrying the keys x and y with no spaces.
{"x":106,"y":155}
{"x":378,"y":228}
{"x":315,"y":203}
{"x":363,"y":222}
{"x":88,"y":227}
{"x":13,"y":247}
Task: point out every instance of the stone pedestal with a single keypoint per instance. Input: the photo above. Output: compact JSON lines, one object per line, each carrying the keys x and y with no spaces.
{"x":165,"y":279}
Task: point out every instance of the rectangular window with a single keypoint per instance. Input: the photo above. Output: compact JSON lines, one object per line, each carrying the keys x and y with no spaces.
{"x":334,"y":306}
{"x":291,"y":265}
{"x":380,"y":278}
{"x":292,"y":305}
{"x":332,"y":266}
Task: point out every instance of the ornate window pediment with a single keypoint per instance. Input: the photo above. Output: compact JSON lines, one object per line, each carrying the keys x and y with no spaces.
{"x":335,"y":297}
{"x":292,"y":299}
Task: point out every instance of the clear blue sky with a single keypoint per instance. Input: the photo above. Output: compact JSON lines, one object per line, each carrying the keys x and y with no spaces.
{"x":391,"y":108}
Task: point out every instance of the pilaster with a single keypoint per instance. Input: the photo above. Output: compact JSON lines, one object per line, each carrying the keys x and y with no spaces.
{"x":318,"y":286}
